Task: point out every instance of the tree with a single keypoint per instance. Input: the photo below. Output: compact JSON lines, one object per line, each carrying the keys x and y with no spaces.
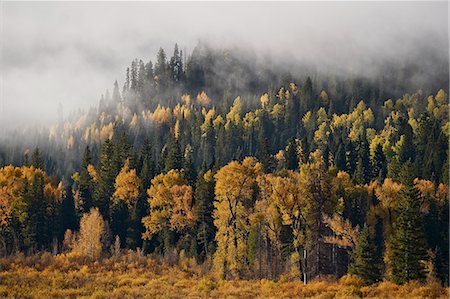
{"x":106,"y":177}
{"x":148,"y":168}
{"x":287,"y":194}
{"x":171,"y":204}
{"x":68,"y":214}
{"x":367,"y":263}
{"x":204,"y":207}
{"x":91,"y":230}
{"x":85,"y":183}
{"x":408,"y":242}
{"x":235,"y":186}
{"x":174,"y":158}
{"x":36,"y":159}
{"x":127,"y":186}
{"x":379,"y":164}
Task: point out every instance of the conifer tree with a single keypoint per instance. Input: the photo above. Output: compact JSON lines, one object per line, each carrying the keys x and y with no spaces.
{"x":106,"y":177}
{"x":67,"y":211}
{"x":379,"y":164}
{"x":408,"y":242}
{"x":204,"y":207}
{"x":367,"y":262}
{"x":174,"y":156}
{"x":36,"y":159}
{"x":85,"y":184}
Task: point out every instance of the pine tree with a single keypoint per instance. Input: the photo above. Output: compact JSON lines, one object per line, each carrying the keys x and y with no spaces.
{"x":85,"y":183}
{"x":291,"y":155}
{"x":148,"y":168}
{"x":204,"y":207}
{"x":367,"y":262}
{"x":68,"y":214}
{"x":174,"y":156}
{"x":188,"y":166}
{"x":36,"y":159}
{"x":379,"y":164}
{"x":350,"y":157}
{"x":408,"y":242}
{"x":106,"y":177}
{"x":363,"y":171}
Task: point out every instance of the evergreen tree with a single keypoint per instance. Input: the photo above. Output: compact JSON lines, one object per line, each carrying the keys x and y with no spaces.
{"x":379,"y":164}
{"x":291,"y":155}
{"x":148,"y":169}
{"x":67,"y":211}
{"x":340,"y":160}
{"x":367,"y":262}
{"x":106,"y":176}
{"x":204,"y":207}
{"x":408,"y":242}
{"x":174,"y":156}
{"x":85,"y":184}
{"x":188,"y":166}
{"x":36,"y":159}
{"x":363,"y":171}
{"x":116,"y":93}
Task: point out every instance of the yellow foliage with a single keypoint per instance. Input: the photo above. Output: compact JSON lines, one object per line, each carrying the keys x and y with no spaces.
{"x":234,"y":189}
{"x":171,"y":205}
{"x":128,"y":185}
{"x":265,"y":101}
{"x":91,"y":229}
{"x":203,"y":99}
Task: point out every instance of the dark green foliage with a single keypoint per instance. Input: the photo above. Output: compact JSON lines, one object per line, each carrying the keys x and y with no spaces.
{"x":204,"y":197}
{"x":119,"y":220}
{"x":363,"y":169}
{"x":174,"y":159}
{"x":408,"y":243}
{"x":367,"y":261}
{"x":291,"y":155}
{"x":67,"y":212}
{"x":106,"y":172}
{"x":379,"y":164}
{"x":148,"y":170}
{"x":36,"y":159}
{"x":85,"y":184}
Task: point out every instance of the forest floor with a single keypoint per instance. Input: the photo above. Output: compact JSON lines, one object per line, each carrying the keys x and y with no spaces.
{"x":134,"y":276}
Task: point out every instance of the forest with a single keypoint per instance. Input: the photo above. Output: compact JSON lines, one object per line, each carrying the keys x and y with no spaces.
{"x":236,"y":171}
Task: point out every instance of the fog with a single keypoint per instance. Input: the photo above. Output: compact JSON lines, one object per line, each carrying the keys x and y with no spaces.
{"x":70,"y":52}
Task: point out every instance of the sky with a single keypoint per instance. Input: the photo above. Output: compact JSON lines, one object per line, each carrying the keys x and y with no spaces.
{"x":71,"y":52}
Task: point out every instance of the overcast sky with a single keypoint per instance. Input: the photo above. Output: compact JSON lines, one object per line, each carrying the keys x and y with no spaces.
{"x":70,"y":52}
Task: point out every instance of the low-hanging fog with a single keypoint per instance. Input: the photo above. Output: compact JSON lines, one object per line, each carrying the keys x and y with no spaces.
{"x":70,"y":52}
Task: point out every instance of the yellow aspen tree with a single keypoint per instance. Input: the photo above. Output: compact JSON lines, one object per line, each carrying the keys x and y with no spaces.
{"x":235,"y":187}
{"x":128,"y":185}
{"x":91,"y":230}
{"x":171,"y":205}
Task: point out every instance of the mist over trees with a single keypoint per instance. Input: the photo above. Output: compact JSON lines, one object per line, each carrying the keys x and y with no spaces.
{"x":251,"y":169}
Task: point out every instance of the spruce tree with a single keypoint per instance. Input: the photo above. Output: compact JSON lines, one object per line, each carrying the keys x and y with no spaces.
{"x":85,"y":184}
{"x":106,"y":177}
{"x":36,"y":159}
{"x":174,"y":156}
{"x":379,"y":164}
{"x":367,"y":262}
{"x":408,"y":242}
{"x":148,"y":168}
{"x":204,"y":207}
{"x":67,"y":213}
{"x":291,"y":155}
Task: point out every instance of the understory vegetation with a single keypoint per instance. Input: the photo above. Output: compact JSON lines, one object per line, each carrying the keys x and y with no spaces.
{"x":130,"y":275}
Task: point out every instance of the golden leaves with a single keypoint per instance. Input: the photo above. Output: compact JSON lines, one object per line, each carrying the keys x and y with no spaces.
{"x":171,"y":204}
{"x":128,"y":185}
